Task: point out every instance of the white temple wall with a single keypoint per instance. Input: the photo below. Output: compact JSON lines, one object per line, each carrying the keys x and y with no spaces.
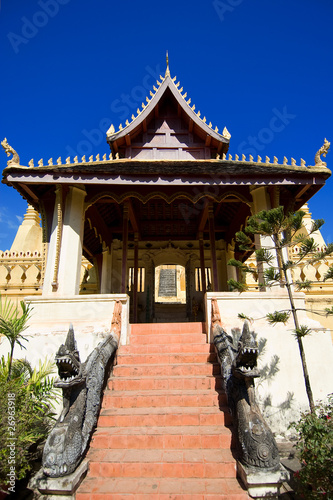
{"x":91,"y":316}
{"x":281,"y":342}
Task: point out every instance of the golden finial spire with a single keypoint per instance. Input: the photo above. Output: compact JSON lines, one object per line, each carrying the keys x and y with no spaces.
{"x":167,"y":71}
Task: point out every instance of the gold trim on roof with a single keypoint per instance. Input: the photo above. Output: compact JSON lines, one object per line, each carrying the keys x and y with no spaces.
{"x":152,"y":94}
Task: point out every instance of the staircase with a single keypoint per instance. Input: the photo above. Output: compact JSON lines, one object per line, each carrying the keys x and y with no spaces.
{"x":161,"y":433}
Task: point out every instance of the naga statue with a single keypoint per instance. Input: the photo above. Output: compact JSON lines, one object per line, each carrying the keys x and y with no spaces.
{"x":81,"y":384}
{"x":322,"y":152}
{"x":257,"y":446}
{"x":9,"y":150}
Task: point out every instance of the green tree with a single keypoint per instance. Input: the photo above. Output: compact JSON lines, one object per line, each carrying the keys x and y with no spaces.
{"x":315,"y":451}
{"x":13,"y":322}
{"x":26,"y":400}
{"x":285,"y":231}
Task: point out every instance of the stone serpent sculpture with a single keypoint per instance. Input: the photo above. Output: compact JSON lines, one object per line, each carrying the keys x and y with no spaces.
{"x":257,"y":446}
{"x":82,"y":385}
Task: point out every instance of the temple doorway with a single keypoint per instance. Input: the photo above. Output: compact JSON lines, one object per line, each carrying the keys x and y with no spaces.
{"x":170,"y":293}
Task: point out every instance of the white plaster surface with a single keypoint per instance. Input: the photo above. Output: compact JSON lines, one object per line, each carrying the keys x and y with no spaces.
{"x":91,"y":316}
{"x":281,"y":342}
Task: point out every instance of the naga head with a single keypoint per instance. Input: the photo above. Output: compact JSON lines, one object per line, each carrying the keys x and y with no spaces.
{"x":68,"y":363}
{"x":245,"y":362}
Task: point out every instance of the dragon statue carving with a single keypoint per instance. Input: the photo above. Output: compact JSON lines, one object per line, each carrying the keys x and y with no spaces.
{"x":9,"y":150}
{"x":81,"y":384}
{"x":322,"y":152}
{"x":257,"y":446}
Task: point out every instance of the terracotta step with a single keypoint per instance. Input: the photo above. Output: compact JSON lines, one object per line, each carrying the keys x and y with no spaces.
{"x":153,"y":383}
{"x":172,"y":348}
{"x":163,"y":438}
{"x":167,"y":338}
{"x":178,"y":464}
{"x":161,"y":456}
{"x":167,"y":370}
{"x":166,"y":328}
{"x":154,"y":359}
{"x":161,"y":489}
{"x":162,"y":398}
{"x":185,"y":416}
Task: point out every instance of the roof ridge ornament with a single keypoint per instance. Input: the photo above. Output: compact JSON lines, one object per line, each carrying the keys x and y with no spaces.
{"x":321,"y":152}
{"x":226,"y":133}
{"x":167,"y":71}
{"x":15,"y":160}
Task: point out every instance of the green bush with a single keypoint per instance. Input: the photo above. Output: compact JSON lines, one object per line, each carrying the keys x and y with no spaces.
{"x":315,"y":451}
{"x":26,"y":415}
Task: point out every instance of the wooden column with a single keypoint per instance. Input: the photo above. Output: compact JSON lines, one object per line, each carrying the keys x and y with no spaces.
{"x":213,"y":248}
{"x":135,"y":284}
{"x":202,"y":263}
{"x":124,"y":253}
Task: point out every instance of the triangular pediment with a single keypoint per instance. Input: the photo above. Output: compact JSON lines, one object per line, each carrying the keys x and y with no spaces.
{"x":168,"y":127}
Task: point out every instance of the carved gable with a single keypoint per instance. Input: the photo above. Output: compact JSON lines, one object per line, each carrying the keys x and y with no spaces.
{"x":167,"y":137}
{"x":168,"y":128}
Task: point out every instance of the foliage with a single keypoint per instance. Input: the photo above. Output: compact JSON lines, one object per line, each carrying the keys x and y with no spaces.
{"x":315,"y":451}
{"x":12,"y":323}
{"x":26,"y":400}
{"x":26,"y":397}
{"x":329,"y":311}
{"x":241,"y":287}
{"x":329,"y":274}
{"x":302,"y":331}
{"x":278,"y":317}
{"x":284,"y":231}
{"x":303,"y":285}
{"x":243,"y":316}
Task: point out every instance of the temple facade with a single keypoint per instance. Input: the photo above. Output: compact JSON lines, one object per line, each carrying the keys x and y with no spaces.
{"x":167,"y":194}
{"x":152,"y":225}
{"x":22,"y":267}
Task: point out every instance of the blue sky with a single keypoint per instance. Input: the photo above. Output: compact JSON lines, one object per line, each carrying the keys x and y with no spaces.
{"x":70,"y":68}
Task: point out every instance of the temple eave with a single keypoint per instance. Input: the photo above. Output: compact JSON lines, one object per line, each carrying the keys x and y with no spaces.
{"x":148,"y":166}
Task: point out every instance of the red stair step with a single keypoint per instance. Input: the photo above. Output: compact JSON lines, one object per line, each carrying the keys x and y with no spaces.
{"x":135,"y":399}
{"x":167,"y":370}
{"x":201,"y":347}
{"x":178,"y":437}
{"x":177,"y":358}
{"x":174,"y":469}
{"x":172,"y":383}
{"x":128,"y":417}
{"x":162,"y":488}
{"x":167,"y":338}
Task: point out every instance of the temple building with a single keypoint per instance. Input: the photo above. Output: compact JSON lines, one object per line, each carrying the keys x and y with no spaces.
{"x":151,"y":226}
{"x":168,"y":194}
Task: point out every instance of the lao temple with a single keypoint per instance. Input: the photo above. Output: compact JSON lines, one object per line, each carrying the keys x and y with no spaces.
{"x":150,"y":227}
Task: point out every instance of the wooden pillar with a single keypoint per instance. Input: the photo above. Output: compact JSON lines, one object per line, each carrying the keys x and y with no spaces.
{"x":202,"y":263}
{"x":213,"y":248}
{"x":124,"y":253}
{"x":135,"y":285}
